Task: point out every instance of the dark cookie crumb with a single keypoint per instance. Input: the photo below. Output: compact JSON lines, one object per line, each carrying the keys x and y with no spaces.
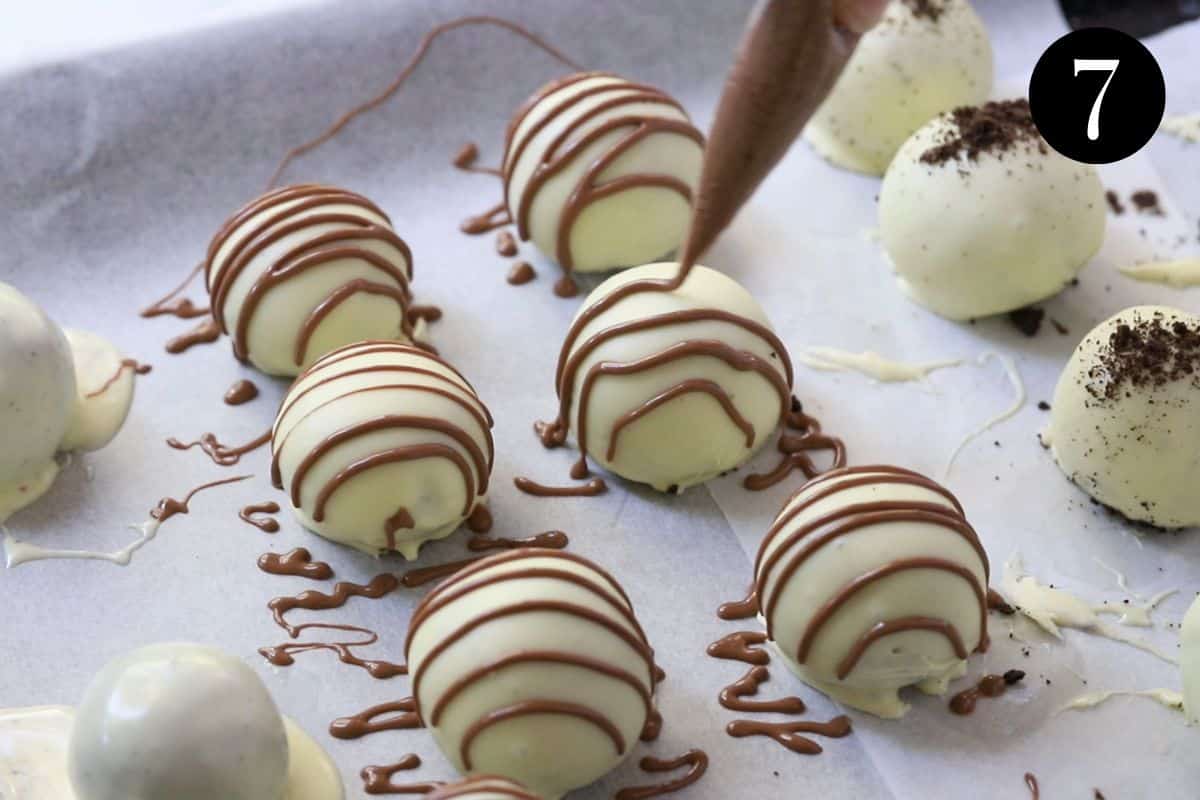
{"x":1027,"y":320}
{"x":1146,"y":353}
{"x":995,"y":127}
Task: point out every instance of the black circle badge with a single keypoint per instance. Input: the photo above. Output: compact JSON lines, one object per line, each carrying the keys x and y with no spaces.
{"x":1097,"y":95}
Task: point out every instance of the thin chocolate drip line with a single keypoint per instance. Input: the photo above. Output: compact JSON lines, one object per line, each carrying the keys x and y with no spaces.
{"x":312,"y":600}
{"x":528,"y":707}
{"x":592,"y":488}
{"x":695,"y":760}
{"x":789,"y":735}
{"x":222,"y":455}
{"x":464,"y":159}
{"x":282,"y":655}
{"x":378,"y":779}
{"x":168,"y":506}
{"x":741,"y":646}
{"x":495,"y":217}
{"x":205,"y":333}
{"x":886,"y":628}
{"x":297,"y":563}
{"x":796,"y":449}
{"x":266,"y":525}
{"x":182,"y":308}
{"x":690,"y":386}
{"x":733,"y":696}
{"x":126,"y":363}
{"x":422,"y":47}
{"x":401,"y":716}
{"x":554,"y":540}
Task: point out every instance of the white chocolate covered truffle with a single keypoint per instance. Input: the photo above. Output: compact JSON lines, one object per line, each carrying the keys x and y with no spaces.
{"x":1189,"y":662}
{"x":1125,"y":419}
{"x":641,"y":373}
{"x":870,"y":580}
{"x":980,"y":216}
{"x":599,"y":172}
{"x":924,"y":57}
{"x":303,"y":270}
{"x":482,"y":787}
{"x":58,"y":392}
{"x":531,"y":665}
{"x":188,"y":722}
{"x":382,"y":446}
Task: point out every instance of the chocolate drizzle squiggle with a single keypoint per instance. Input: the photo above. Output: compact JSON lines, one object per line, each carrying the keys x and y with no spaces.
{"x":789,"y":734}
{"x":297,"y":562}
{"x":378,"y":779}
{"x":592,"y":488}
{"x":553,"y":540}
{"x":695,"y":760}
{"x":221,"y":454}
{"x":206,"y":332}
{"x":379,"y":586}
{"x":402,"y":716}
{"x":264,"y":524}
{"x":796,"y":448}
{"x":182,"y":308}
{"x":733,"y":696}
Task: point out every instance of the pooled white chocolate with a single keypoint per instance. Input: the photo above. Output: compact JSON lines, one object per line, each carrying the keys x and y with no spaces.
{"x":303,"y":270}
{"x":987,"y":227}
{"x":531,"y":665}
{"x":382,"y":446}
{"x":58,"y":392}
{"x":482,"y":787}
{"x":638,"y":380}
{"x":189,"y":722}
{"x":1123,"y":422}
{"x":870,"y":580}
{"x":909,"y":68}
{"x":599,"y":172}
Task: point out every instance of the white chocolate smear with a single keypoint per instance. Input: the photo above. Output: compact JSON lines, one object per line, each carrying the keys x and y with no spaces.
{"x":1166,"y":697}
{"x":1053,"y":609}
{"x":1018,"y":385}
{"x":869,"y":363}
{"x":17,"y":552}
{"x":1185,"y":126}
{"x":1179,"y":274}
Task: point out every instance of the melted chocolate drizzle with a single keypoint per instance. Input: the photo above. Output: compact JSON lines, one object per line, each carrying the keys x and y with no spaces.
{"x":733,"y":696}
{"x":695,"y":760}
{"x":183,"y":308}
{"x":206,"y":332}
{"x":168,"y":506}
{"x":796,"y":448}
{"x":264,"y":524}
{"x":402,"y":715}
{"x":378,"y":779}
{"x":126,"y":363}
{"x":297,"y":563}
{"x":741,"y":646}
{"x":221,"y":454}
{"x":590,"y":489}
{"x":552,"y":540}
{"x":242,"y":391}
{"x":789,"y":734}
{"x":988,"y":686}
{"x":746,"y":608}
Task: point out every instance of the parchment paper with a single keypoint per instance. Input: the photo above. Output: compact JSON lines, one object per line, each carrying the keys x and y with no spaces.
{"x":117,"y":168}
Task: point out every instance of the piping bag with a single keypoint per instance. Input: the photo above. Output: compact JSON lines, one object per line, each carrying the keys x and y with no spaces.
{"x":788,"y":60}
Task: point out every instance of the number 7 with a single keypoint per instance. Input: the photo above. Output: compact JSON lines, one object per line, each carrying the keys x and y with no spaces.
{"x":1108,"y":65}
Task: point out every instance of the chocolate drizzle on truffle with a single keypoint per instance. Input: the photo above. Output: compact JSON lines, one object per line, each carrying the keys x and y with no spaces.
{"x":695,"y":760}
{"x":777,"y":561}
{"x":126,"y":364}
{"x":996,"y":127}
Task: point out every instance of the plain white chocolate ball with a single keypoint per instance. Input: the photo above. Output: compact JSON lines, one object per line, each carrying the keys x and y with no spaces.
{"x":625,"y":155}
{"x":870,"y":580}
{"x":382,"y":446}
{"x":178,"y":722}
{"x":970,"y":237}
{"x":908,"y":69}
{"x":1131,"y":437}
{"x":305,"y":269}
{"x":531,"y":665}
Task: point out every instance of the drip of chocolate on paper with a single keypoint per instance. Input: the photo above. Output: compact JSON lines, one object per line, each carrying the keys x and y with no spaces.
{"x":653,"y":727}
{"x":734,"y":695}
{"x":495,"y":217}
{"x":964,"y":702}
{"x":378,"y":779}
{"x":222,"y":455}
{"x":206,"y":332}
{"x":381,"y":585}
{"x":297,"y":562}
{"x":796,"y":448}
{"x":406,"y":71}
{"x":423,"y":575}
{"x":168,"y":506}
{"x":521,"y":273}
{"x":791,"y":734}
{"x":695,"y":760}
{"x":506,"y":244}
{"x":591,"y":488}
{"x":242,"y":391}
{"x":550,"y":540}
{"x":183,"y":308}
{"x":741,"y":646}
{"x":746,"y":608}
{"x":465,"y":159}
{"x":126,"y":363}
{"x":263,"y":523}
{"x":400,"y":715}
{"x":1031,"y":782}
